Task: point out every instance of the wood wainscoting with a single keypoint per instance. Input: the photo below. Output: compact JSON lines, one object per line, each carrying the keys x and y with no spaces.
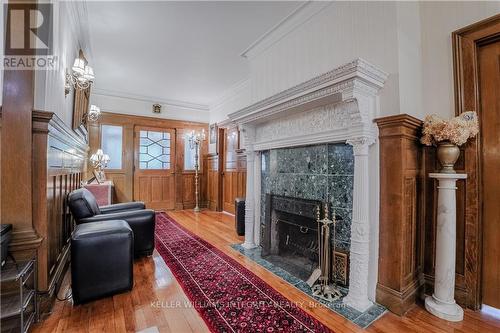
{"x":59,"y":155}
{"x":233,"y":169}
{"x":226,"y":171}
{"x":400,"y":245}
{"x":213,"y":182}
{"x":123,"y":178}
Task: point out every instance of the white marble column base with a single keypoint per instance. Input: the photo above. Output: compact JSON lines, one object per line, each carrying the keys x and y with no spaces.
{"x":360,"y":305}
{"x":248,"y":246}
{"x":446,"y":311}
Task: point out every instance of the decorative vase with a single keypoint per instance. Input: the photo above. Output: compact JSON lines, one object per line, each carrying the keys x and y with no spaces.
{"x":447,"y":154}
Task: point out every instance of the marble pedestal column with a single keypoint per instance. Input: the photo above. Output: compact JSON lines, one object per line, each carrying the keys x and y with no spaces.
{"x":442,"y":302}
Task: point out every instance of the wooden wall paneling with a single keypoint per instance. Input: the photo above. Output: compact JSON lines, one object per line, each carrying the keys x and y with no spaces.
{"x":213,"y":182}
{"x":401,"y":221}
{"x":59,"y":160}
{"x":234,"y":170}
{"x":123,"y":179}
{"x":16,"y":155}
{"x":466,"y":43}
{"x":242,"y":174}
{"x":185,"y":179}
{"x":123,"y":189}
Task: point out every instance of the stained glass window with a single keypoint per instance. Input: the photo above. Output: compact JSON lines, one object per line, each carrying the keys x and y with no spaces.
{"x":154,"y":150}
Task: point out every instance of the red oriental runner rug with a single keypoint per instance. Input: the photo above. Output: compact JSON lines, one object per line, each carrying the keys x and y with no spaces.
{"x":229,"y":297}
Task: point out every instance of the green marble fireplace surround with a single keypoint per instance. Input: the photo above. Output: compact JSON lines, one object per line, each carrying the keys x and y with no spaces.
{"x":323,"y":172}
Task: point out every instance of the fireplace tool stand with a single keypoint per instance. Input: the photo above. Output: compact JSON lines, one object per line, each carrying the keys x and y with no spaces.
{"x":320,"y":278}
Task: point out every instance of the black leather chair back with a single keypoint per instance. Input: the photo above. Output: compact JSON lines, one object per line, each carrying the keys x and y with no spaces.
{"x":82,"y":204}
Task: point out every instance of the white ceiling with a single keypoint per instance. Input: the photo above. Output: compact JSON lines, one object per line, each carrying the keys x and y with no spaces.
{"x":181,"y":51}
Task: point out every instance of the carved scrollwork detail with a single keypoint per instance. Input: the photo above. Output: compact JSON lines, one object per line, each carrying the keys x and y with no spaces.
{"x":321,"y":119}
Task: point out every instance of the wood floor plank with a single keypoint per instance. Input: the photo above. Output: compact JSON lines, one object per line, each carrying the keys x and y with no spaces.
{"x":158,"y":301}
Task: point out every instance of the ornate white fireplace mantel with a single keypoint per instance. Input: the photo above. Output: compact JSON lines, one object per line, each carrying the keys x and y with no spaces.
{"x":338,"y":106}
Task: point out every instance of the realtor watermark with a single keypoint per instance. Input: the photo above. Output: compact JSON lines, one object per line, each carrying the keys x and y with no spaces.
{"x":311,"y":304}
{"x":29,"y":36}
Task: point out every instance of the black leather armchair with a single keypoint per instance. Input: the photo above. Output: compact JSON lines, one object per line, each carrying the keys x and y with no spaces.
{"x":85,"y":209}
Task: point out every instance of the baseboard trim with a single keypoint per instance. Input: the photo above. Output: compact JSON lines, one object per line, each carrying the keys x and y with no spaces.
{"x":399,"y":302}
{"x":46,"y":297}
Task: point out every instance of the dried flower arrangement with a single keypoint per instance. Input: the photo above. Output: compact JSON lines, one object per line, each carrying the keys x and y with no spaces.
{"x":457,"y":130}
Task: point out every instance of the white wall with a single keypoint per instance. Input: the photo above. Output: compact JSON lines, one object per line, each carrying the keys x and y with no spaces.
{"x":234,"y":99}
{"x":143,"y":107}
{"x":409,"y":59}
{"x":409,"y":40}
{"x":438,"y":21}
{"x":337,"y":35}
{"x":71,"y":36}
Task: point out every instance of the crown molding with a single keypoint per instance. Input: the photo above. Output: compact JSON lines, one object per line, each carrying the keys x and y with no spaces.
{"x":301,"y":14}
{"x":230,"y":93}
{"x":151,"y":99}
{"x":226,"y":123}
{"x":77,"y":14}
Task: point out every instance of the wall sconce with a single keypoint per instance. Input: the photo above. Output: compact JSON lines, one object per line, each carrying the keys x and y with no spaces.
{"x":94,"y":113}
{"x":80,"y":77}
{"x":91,"y":115}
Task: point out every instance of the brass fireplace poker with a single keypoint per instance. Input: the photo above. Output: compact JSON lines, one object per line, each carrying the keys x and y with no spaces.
{"x":319,"y":280}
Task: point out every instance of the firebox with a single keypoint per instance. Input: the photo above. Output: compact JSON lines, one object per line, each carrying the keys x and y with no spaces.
{"x":289,"y":237}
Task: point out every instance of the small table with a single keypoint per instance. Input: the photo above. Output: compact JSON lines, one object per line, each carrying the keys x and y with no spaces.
{"x":103,"y":192}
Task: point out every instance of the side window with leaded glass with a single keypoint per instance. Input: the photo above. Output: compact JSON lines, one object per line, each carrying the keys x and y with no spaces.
{"x":154,"y":150}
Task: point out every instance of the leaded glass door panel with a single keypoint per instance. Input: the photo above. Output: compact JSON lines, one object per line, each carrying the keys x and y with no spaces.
{"x":154,"y":167}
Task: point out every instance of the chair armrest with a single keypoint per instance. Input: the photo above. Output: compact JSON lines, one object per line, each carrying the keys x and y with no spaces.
{"x":129,"y":216}
{"x":138,"y":205}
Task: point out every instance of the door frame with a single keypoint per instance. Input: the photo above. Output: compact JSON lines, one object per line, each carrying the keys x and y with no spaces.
{"x":466,"y":42}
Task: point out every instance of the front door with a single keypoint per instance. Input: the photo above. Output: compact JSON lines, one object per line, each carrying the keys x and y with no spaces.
{"x":153,"y":167}
{"x":489,"y":86}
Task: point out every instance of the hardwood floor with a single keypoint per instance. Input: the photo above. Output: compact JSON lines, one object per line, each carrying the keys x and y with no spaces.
{"x":158,"y":302}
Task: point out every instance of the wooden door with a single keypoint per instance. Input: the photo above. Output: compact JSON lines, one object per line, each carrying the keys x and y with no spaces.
{"x":154,"y":180}
{"x":489,"y":81}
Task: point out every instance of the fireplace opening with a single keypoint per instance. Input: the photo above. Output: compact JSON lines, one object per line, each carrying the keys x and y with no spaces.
{"x":289,"y":238}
